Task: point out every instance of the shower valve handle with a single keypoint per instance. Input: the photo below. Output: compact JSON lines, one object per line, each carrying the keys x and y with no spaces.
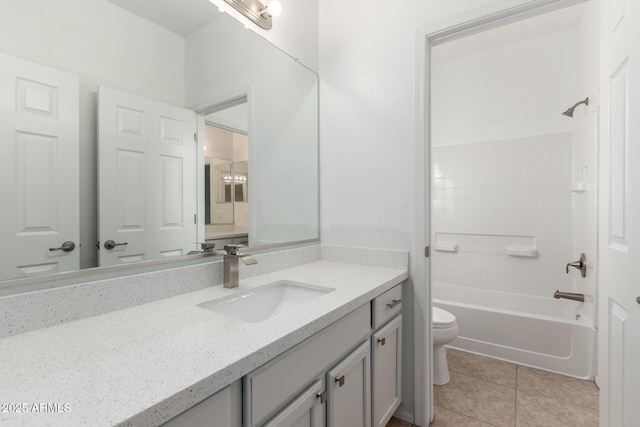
{"x":581,"y":265}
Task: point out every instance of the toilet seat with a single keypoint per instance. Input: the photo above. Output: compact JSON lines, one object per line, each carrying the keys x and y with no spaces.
{"x":441,"y":318}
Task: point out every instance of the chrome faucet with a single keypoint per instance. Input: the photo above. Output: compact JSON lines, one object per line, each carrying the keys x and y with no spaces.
{"x":569,"y":295}
{"x":231,"y":265}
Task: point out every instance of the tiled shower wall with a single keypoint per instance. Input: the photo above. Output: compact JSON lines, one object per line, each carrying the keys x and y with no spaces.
{"x":512,"y":187}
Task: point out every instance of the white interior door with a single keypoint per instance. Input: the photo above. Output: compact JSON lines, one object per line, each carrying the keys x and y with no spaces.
{"x":39,"y":195}
{"x":619,"y":252}
{"x":147,"y":178}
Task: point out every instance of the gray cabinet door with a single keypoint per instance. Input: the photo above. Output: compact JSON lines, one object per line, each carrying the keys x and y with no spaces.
{"x":349,"y":388}
{"x":306,"y":410}
{"x":387,"y":373}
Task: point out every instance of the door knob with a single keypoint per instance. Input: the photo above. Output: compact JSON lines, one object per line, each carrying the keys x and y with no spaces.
{"x":581,"y":265}
{"x":67,"y":246}
{"x":110,"y":244}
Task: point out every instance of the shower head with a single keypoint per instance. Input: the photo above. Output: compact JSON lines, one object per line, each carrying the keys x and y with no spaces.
{"x":569,"y":112}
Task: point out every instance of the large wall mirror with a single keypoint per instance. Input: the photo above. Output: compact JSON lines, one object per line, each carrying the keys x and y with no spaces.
{"x":169,"y":74}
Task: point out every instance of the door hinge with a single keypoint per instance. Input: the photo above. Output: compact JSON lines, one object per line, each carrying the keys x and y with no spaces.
{"x":322,"y":395}
{"x":195,"y":218}
{"x":195,"y":137}
{"x":427,"y":252}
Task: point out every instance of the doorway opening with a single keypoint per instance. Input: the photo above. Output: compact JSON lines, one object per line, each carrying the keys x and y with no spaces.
{"x":512,"y":182}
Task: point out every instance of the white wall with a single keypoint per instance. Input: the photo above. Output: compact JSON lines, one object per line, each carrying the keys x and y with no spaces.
{"x":103,"y":45}
{"x":510,"y":91}
{"x":295,"y":31}
{"x":369,"y":132}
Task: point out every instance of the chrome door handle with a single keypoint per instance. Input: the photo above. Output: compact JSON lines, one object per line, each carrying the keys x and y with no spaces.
{"x":67,"y":246}
{"x":394,"y":303}
{"x":110,"y":244}
{"x":581,"y":265}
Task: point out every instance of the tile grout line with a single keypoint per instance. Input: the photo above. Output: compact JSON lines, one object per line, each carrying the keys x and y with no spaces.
{"x":470,"y":417}
{"x":482,"y":379}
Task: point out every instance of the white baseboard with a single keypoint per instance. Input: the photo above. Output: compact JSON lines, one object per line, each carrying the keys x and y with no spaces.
{"x":405,"y":416}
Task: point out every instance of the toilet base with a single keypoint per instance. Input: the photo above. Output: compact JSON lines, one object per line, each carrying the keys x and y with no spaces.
{"x":440,"y":366}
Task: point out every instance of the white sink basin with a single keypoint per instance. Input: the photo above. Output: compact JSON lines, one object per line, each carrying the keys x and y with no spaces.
{"x":264,"y":302}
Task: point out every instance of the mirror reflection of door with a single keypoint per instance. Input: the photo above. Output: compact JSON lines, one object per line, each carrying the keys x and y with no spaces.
{"x":39,"y":152}
{"x":226,"y":181}
{"x":147,"y":182}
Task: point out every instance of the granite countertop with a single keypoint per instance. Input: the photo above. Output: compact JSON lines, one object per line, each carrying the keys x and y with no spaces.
{"x":146,"y":364}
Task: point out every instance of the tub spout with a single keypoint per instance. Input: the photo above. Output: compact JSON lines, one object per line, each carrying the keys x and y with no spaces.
{"x":569,"y":295}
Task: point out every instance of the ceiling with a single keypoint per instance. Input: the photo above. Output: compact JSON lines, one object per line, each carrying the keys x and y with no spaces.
{"x":183,"y":17}
{"x":546,"y":23}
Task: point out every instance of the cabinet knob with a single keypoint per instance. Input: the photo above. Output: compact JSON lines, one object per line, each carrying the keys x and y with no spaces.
{"x":340,"y":381}
{"x":322,"y":395}
{"x":382,"y":340}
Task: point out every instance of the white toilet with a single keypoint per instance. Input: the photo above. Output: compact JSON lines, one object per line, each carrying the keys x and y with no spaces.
{"x":445,"y":330}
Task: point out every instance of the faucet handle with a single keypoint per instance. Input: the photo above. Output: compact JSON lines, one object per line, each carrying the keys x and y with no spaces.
{"x":233,"y":249}
{"x":207,"y":246}
{"x":581,"y":265}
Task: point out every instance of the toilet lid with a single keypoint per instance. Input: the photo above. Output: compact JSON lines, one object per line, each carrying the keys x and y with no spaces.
{"x":442,"y":317}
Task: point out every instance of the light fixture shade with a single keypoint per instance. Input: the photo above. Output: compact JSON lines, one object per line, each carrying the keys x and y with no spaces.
{"x":274,"y":8}
{"x":255,"y":11}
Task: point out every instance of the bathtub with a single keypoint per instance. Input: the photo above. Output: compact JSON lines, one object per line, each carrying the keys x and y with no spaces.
{"x":543,"y":333}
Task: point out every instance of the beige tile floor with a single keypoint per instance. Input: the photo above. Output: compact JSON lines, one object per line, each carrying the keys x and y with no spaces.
{"x":485,"y":392}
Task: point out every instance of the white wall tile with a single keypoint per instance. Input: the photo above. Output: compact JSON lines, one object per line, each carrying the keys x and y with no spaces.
{"x":517,"y":186}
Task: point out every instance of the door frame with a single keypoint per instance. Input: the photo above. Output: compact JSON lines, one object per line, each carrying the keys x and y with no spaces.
{"x":226,"y":100}
{"x":495,"y":15}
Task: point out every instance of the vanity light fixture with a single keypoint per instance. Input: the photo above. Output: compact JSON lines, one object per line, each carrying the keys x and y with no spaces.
{"x":257,"y":12}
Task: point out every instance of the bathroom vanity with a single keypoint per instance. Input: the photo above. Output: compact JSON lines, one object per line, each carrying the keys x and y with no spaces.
{"x":322,"y":381}
{"x":333,"y":360}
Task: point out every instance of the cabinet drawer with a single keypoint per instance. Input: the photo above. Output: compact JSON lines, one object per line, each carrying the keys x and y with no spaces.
{"x":269,"y":387}
{"x":387,"y":306}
